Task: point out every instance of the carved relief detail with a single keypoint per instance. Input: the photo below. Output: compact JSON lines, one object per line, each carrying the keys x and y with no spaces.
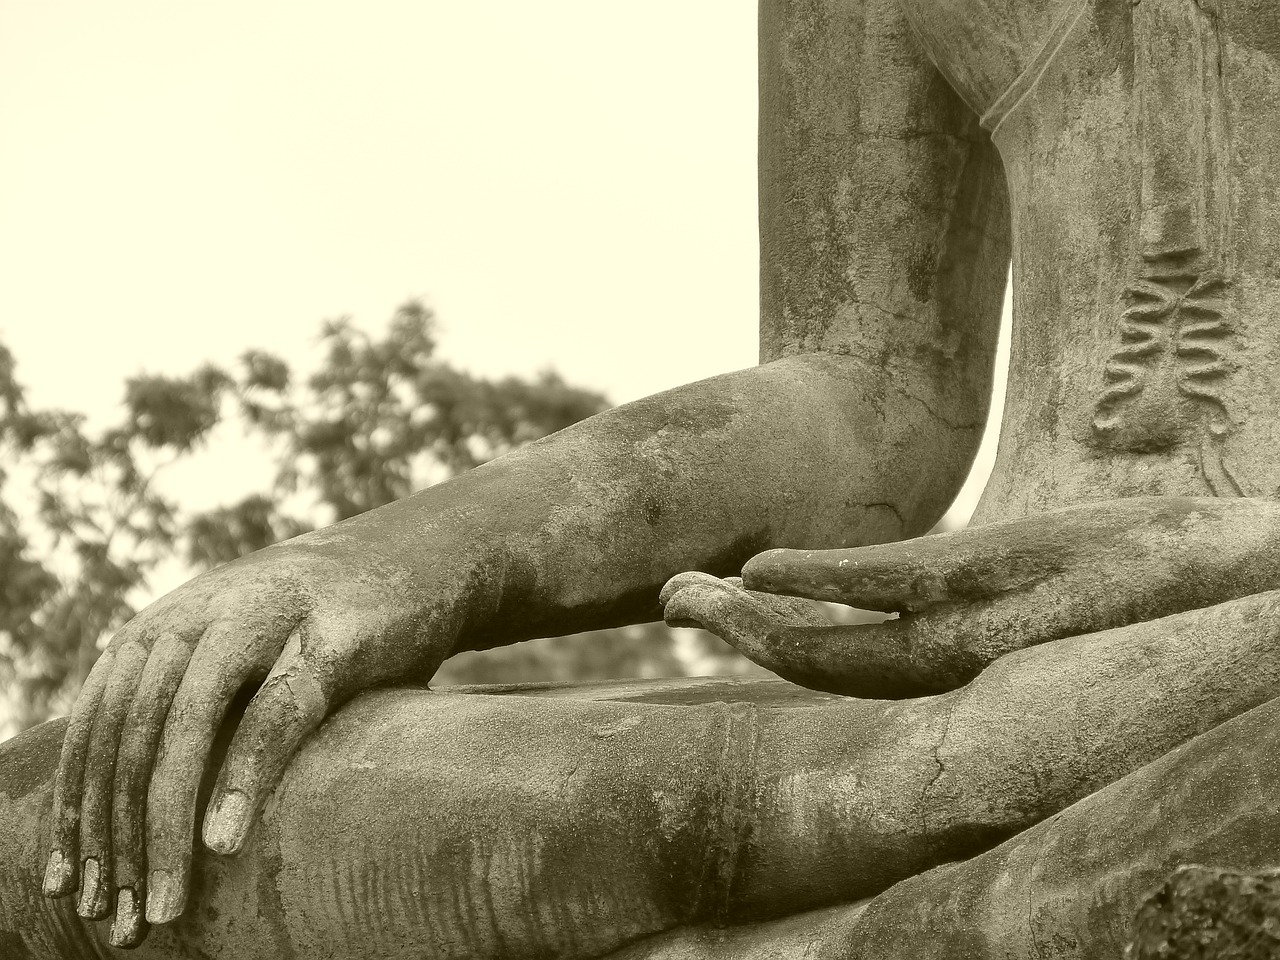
{"x":1167,"y":377}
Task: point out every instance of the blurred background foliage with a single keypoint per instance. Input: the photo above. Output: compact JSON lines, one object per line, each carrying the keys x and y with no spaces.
{"x":85,"y":524}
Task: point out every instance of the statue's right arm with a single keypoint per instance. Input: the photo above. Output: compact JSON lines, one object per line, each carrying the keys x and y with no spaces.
{"x":885,"y":245}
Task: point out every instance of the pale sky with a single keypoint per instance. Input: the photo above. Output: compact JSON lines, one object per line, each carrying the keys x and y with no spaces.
{"x":567,"y":183}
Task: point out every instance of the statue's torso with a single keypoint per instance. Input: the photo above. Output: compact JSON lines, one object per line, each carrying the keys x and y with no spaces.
{"x":1139,"y":144}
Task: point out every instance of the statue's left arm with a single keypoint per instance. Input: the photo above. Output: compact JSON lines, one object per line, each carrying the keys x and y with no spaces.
{"x":885,"y":245}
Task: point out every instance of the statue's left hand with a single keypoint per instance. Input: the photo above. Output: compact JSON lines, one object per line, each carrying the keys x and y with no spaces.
{"x":314,"y":621}
{"x":969,"y":597}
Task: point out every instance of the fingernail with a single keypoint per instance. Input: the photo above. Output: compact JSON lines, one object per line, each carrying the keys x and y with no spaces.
{"x":128,"y":924}
{"x":227,"y":823}
{"x":60,"y":875}
{"x":164,"y":897}
{"x":93,"y":895}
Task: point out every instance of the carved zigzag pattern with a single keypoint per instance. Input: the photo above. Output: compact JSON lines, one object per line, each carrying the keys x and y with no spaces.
{"x":1190,"y":322}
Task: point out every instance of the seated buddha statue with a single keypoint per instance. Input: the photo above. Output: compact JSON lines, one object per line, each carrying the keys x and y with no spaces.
{"x":1077,"y":692}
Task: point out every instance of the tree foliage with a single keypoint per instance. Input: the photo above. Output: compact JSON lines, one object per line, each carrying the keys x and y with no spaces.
{"x":85,"y":520}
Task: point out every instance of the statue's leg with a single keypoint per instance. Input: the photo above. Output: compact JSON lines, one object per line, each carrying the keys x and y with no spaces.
{"x":1066,"y":889}
{"x":421,"y":824}
{"x":1069,"y":887}
{"x":30,"y":925}
{"x":460,"y":825}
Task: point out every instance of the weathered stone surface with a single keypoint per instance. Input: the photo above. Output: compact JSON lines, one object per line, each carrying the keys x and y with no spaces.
{"x":1070,"y":886}
{"x":1202,"y":913}
{"x":1066,"y":889}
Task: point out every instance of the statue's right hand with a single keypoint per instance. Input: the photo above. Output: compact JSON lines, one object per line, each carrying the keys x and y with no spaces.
{"x":969,"y":597}
{"x":315,"y":620}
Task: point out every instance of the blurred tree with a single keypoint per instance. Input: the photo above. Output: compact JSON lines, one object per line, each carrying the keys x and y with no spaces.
{"x":84,"y":524}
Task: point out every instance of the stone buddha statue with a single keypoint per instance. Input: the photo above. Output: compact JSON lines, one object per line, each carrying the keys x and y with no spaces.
{"x":1078,"y":692}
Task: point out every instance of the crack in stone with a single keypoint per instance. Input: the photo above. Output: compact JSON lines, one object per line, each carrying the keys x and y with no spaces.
{"x":568,"y":778}
{"x":1036,"y":947}
{"x":887,"y":506}
{"x":953,"y":424}
{"x":937,"y":775}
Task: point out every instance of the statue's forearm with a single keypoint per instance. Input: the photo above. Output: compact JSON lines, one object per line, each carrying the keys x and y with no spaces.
{"x":581,"y":529}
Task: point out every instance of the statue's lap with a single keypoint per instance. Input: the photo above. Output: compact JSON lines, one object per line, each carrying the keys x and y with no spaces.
{"x":455,"y":817}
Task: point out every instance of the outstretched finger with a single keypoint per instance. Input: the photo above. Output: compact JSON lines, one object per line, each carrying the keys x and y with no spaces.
{"x":96,"y":889}
{"x":225,"y":659}
{"x":156,"y":690}
{"x":290,"y":704}
{"x":997,"y":559}
{"x":62,"y":875}
{"x":912,"y":575}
